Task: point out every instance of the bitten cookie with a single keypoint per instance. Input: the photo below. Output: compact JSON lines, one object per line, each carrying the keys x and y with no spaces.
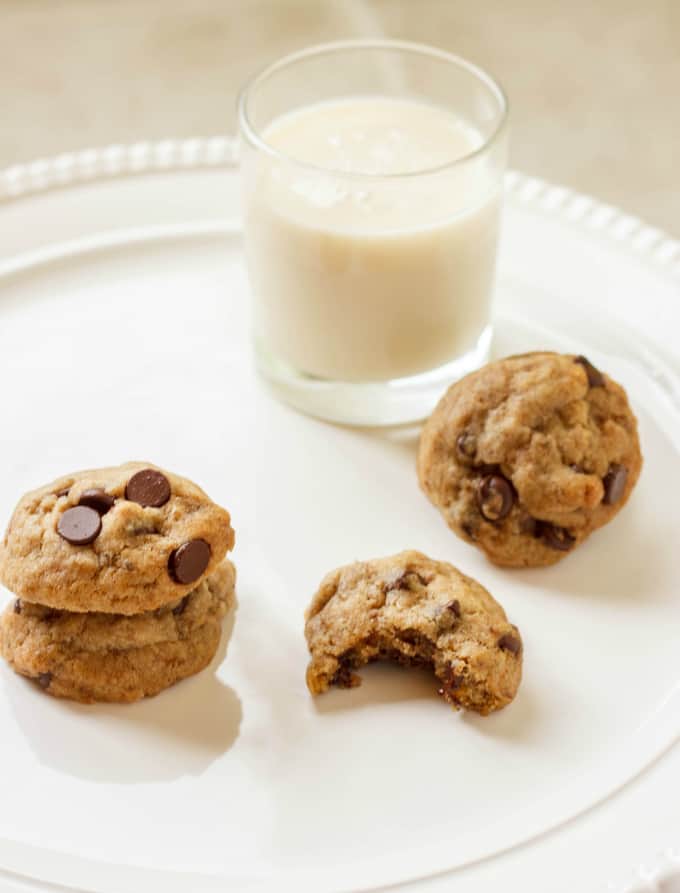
{"x":122,"y":540}
{"x":111,"y":657}
{"x":419,"y":612}
{"x":529,"y":455}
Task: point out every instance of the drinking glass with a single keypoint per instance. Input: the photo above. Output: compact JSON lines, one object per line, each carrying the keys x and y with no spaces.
{"x":371,"y":283}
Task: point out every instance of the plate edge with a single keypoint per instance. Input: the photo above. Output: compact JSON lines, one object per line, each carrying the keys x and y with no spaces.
{"x":90,"y":166}
{"x":659,"y":875}
{"x":73,"y":169}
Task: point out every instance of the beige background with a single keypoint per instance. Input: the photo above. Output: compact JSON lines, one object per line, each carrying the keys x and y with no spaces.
{"x":594,"y":84}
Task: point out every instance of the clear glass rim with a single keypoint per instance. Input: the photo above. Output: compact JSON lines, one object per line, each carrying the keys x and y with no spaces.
{"x":403,"y":46}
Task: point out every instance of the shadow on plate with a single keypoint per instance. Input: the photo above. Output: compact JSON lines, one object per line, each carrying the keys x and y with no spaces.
{"x":381,"y":683}
{"x":385,"y":683}
{"x":514,"y":724}
{"x":396,"y":438}
{"x":179,"y":732}
{"x":624,"y":561}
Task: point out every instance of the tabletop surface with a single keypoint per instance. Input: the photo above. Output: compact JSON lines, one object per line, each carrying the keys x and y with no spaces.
{"x":591,"y":85}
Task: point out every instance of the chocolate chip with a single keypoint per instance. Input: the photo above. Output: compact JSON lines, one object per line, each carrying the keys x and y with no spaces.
{"x":454,"y":607}
{"x":614,"y":483}
{"x":527,"y":524}
{"x":489,"y":468}
{"x":407,"y":580}
{"x":17,"y":606}
{"x":469,"y":529}
{"x":345,"y":678}
{"x":80,"y":525}
{"x":595,"y":377}
{"x":97,"y":499}
{"x":495,"y":497}
{"x":411,"y":637}
{"x":451,"y":682}
{"x":555,"y":537}
{"x":466,"y":444}
{"x":44,"y":680}
{"x":63,"y":492}
{"x":510,"y":643}
{"x":400,"y":582}
{"x":148,"y":488}
{"x":189,"y":561}
{"x":181,"y":607}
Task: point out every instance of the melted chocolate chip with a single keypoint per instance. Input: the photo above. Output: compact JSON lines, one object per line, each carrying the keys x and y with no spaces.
{"x":466,"y":444}
{"x":79,"y":525}
{"x":489,"y":468}
{"x":469,"y":529}
{"x":510,"y":643}
{"x":454,"y":607}
{"x":148,"y":488}
{"x":344,"y":677}
{"x":595,"y":377}
{"x":411,"y":637}
{"x":555,"y":537}
{"x":181,"y":607}
{"x":97,"y":499}
{"x":451,"y":682}
{"x":405,"y":581}
{"x":527,"y":524}
{"x":399,"y":582}
{"x":44,"y":680}
{"x":495,"y":497}
{"x":614,"y":483}
{"x":187,"y":563}
{"x":17,"y":606}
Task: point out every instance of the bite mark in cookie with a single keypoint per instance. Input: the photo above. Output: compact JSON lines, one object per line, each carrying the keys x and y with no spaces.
{"x":418,"y":612}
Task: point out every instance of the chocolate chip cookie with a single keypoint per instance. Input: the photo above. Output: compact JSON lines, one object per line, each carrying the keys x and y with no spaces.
{"x":113,"y":657}
{"x":121,"y":540}
{"x":418,"y":612}
{"x":529,"y":455}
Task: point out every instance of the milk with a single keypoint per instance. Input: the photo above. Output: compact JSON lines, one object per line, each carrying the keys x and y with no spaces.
{"x":363,"y":267}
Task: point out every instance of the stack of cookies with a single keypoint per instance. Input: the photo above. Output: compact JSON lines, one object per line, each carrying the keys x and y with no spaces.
{"x":121,"y":583}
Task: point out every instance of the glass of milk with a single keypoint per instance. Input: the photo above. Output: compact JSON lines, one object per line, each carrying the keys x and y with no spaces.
{"x":372,"y":177}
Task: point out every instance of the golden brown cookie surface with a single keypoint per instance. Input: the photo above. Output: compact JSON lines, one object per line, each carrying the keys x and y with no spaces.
{"x":529,"y":455}
{"x":112,"y":657}
{"x":415,"y":611}
{"x":123,"y":540}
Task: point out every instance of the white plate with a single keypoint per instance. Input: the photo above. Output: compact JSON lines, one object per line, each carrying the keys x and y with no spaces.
{"x":131,"y":341}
